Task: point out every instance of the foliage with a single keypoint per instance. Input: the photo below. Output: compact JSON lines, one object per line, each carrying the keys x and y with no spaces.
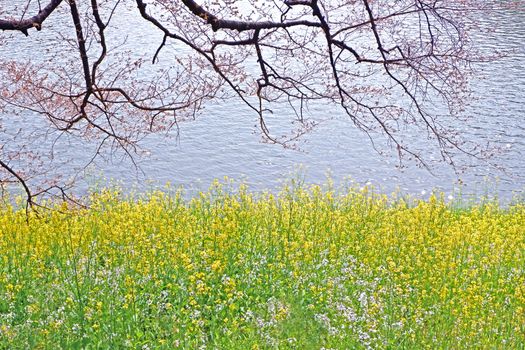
{"x":306,"y":269}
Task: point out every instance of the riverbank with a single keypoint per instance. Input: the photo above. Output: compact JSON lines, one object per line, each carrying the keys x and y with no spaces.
{"x":305,"y":269}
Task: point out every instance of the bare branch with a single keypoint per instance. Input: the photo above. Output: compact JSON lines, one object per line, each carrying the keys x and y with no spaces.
{"x":36,"y":21}
{"x":218,"y":23}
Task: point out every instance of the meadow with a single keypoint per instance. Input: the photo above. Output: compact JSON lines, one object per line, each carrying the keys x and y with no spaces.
{"x":308,"y":268}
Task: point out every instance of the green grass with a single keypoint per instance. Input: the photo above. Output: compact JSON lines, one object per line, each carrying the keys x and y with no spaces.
{"x":305,"y":269}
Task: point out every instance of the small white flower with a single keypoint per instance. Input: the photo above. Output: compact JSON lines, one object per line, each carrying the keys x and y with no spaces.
{"x":398,"y":324}
{"x":363,"y":300}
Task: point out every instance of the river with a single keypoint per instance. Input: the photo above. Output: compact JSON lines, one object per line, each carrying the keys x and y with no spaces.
{"x":224,"y":139}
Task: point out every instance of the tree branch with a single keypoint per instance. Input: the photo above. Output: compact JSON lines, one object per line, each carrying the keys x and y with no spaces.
{"x":33,"y":22}
{"x":218,"y":23}
{"x":20,"y":180}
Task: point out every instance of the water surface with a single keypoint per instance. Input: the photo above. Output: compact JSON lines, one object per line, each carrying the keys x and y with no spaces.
{"x":224,"y":140}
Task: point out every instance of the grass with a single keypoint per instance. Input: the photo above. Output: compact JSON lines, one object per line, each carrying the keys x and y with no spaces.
{"x":305,"y":269}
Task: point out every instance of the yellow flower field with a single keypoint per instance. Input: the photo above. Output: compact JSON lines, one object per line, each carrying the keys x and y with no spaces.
{"x":231,"y":269}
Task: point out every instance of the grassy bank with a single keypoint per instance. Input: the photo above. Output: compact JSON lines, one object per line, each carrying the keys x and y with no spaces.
{"x":305,"y":269}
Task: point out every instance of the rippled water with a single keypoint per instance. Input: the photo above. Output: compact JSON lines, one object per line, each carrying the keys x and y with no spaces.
{"x":224,"y":141}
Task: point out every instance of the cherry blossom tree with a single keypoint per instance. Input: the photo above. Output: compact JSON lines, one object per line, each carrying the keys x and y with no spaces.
{"x":385,"y":64}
